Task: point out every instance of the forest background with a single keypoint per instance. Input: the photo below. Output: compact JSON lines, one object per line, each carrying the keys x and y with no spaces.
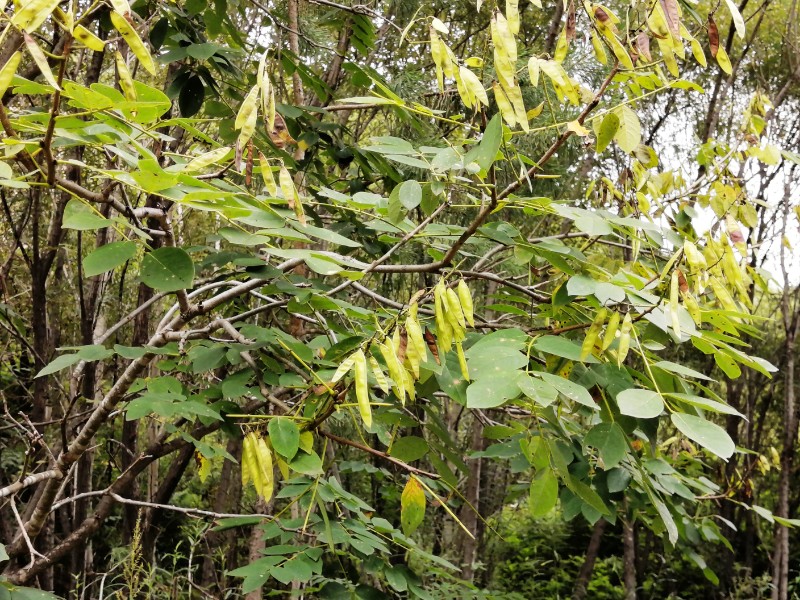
{"x":399,"y":298}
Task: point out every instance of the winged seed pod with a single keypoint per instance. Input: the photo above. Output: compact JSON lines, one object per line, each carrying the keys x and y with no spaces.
{"x":377,"y":373}
{"x":624,"y":339}
{"x":362,"y":387}
{"x":266,"y":174}
{"x":395,"y":370}
{"x":462,"y":361}
{"x":454,"y":307}
{"x":465,"y":298}
{"x":593,"y":334}
{"x":247,"y":116}
{"x":344,"y":368}
{"x":611,"y":330}
{"x":135,"y":43}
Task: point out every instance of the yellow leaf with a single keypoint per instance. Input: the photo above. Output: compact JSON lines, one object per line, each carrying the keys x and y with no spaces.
{"x":412,"y":506}
{"x":723,"y":60}
{"x":562,"y":45}
{"x":204,"y":467}
{"x":362,"y":387}
{"x":503,"y":103}
{"x":577,"y":129}
{"x":473,"y":87}
{"x":134,"y":41}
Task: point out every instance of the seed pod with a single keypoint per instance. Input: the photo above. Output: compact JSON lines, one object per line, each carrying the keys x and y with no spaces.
{"x":454,"y":307}
{"x":395,"y":370}
{"x":344,"y":368}
{"x":624,"y":339}
{"x":593,"y":333}
{"x":380,"y":378}
{"x":266,"y":174}
{"x":135,"y":43}
{"x":611,"y":330}
{"x":264,"y":459}
{"x":465,"y":298}
{"x":362,"y":387}
{"x":125,"y":79}
{"x":462,"y":361}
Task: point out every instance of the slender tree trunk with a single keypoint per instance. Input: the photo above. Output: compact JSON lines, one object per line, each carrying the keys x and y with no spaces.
{"x":629,"y":559}
{"x":585,"y":574}
{"x":467,"y":514}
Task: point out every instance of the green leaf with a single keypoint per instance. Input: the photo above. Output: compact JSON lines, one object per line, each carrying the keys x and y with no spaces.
{"x":82,"y":217}
{"x":3,"y":553}
{"x":543,"y":493}
{"x":285,"y":436}
{"x":710,"y":436}
{"x":489,"y":393}
{"x":410,"y":193}
{"x":409,"y":448}
{"x":485,"y":152}
{"x":539,"y":391}
{"x":629,"y":134}
{"x":108,"y":257}
{"x":569,"y":389}
{"x":307,"y":464}
{"x":412,"y":506}
{"x":680,"y":370}
{"x":610,"y":440}
{"x":563,"y":347}
{"x":640,"y":403}
{"x":607,"y":130}
{"x":588,"y":495}
{"x":167,"y":269}
{"x":60,"y":362}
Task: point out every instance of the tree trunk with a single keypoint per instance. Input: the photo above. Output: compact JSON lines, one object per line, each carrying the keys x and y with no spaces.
{"x":585,"y":574}
{"x":629,"y":559}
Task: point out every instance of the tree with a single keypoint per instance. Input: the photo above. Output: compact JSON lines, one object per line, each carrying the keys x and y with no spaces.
{"x":311,"y":271}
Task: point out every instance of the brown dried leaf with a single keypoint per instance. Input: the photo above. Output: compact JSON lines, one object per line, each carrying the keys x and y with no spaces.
{"x":643,"y":45}
{"x":401,"y":350}
{"x":430,"y":340}
{"x":248,"y":169}
{"x":570,"y":27}
{"x":673,"y":18}
{"x":682,"y":283}
{"x":280,"y":135}
{"x":713,"y":37}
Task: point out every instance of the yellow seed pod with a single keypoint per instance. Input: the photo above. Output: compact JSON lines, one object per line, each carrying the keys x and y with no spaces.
{"x":247,"y":116}
{"x":462,"y":361}
{"x":673,"y":302}
{"x":343,"y":368}
{"x":266,"y":174}
{"x":593,"y":333}
{"x":134,"y":41}
{"x":465,"y":298}
{"x":377,"y":373}
{"x":624,"y":339}
{"x":395,"y":370}
{"x":362,"y":387}
{"x":454,"y":306}
{"x":264,"y":459}
{"x":416,"y":338}
{"x":125,"y":79}
{"x":611,"y":330}
{"x":88,"y":39}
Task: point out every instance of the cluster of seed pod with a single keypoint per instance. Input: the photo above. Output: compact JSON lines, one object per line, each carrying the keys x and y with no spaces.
{"x":407,"y":348}
{"x":257,"y":465}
